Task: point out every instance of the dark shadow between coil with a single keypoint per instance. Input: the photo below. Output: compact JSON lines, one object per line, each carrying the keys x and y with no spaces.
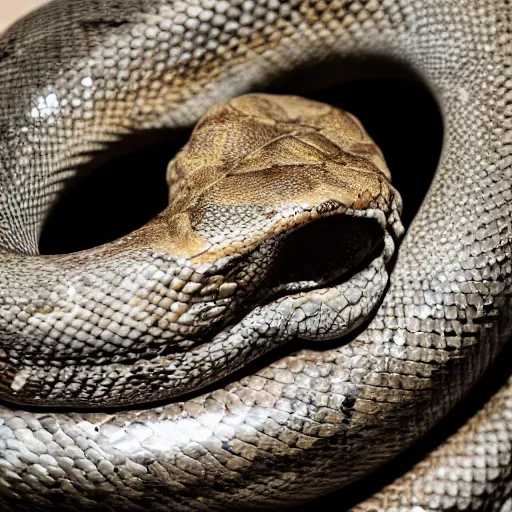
{"x":124,"y":186}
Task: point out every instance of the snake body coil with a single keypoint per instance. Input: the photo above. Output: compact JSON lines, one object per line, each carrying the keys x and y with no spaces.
{"x":198,"y":291}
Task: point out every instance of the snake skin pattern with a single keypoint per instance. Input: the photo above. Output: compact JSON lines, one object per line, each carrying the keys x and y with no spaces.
{"x":77,"y":76}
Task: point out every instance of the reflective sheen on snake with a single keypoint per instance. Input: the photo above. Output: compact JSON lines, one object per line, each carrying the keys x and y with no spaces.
{"x":125,"y":370}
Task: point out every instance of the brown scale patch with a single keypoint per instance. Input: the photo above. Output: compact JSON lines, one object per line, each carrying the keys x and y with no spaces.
{"x":273,"y":151}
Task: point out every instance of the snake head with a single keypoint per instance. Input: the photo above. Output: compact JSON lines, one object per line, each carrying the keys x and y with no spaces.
{"x":284,"y":207}
{"x":281,"y":225}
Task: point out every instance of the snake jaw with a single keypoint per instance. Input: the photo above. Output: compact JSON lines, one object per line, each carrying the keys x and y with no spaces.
{"x":346,"y":289}
{"x":323,"y":310}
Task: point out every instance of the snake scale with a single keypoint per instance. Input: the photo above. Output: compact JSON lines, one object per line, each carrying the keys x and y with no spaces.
{"x":242,"y":261}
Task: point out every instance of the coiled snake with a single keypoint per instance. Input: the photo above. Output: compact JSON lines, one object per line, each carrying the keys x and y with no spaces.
{"x":281,"y":225}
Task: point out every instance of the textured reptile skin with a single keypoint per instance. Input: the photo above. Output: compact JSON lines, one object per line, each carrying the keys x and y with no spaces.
{"x":78,"y":75}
